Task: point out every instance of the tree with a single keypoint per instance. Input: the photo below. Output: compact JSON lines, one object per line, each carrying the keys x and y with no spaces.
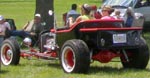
{"x":42,"y":7}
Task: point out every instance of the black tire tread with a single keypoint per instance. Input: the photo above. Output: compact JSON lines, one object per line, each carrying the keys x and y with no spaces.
{"x":15,"y":48}
{"x":81,"y":53}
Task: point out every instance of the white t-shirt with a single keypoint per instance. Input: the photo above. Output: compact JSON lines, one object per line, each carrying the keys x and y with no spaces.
{"x":4,"y":26}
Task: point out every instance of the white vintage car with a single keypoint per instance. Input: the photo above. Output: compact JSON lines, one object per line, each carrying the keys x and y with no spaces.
{"x":140,"y":7}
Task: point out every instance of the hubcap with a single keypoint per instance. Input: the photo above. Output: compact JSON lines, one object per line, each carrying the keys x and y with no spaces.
{"x":6,"y":54}
{"x":68,"y":59}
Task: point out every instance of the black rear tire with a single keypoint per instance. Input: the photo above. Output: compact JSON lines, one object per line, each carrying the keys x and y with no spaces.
{"x":75,"y":57}
{"x":10,"y":52}
{"x":138,"y":58}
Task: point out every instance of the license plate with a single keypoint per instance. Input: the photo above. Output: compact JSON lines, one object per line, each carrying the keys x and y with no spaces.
{"x":119,"y":38}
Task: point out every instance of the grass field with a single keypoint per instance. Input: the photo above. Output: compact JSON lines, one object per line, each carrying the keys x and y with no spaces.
{"x":22,"y":11}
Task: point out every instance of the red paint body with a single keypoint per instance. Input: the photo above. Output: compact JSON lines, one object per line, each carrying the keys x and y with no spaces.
{"x":105,"y":56}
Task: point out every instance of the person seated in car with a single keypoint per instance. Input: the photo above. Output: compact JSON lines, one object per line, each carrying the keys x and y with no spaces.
{"x":7,"y":31}
{"x":3,"y":26}
{"x":118,"y":15}
{"x":106,"y":11}
{"x":94,"y":13}
{"x":130,"y":17}
{"x":85,"y":14}
{"x":72,"y":13}
{"x":73,"y":10}
{"x":106,"y":15}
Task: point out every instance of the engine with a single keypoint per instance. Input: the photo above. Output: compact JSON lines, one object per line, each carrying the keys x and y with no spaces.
{"x":47,"y":42}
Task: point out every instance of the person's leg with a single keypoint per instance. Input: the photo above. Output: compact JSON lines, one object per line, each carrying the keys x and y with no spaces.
{"x":20,"y":33}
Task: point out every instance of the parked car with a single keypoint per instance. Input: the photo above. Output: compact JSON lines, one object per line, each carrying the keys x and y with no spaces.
{"x":139,"y":6}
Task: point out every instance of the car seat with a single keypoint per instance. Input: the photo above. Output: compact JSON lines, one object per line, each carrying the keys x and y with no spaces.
{"x":12,"y":26}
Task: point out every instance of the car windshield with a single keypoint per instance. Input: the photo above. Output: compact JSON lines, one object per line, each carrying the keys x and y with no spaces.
{"x":125,"y":3}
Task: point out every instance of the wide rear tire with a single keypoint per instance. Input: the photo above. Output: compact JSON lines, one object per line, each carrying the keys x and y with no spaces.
{"x":138,"y":58}
{"x":75,"y":57}
{"x":10,"y":52}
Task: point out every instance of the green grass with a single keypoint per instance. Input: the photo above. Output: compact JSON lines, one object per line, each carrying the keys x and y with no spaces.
{"x":52,"y":69}
{"x":22,"y":11}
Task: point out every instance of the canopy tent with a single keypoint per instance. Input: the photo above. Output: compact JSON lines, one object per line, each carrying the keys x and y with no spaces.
{"x":126,"y":3}
{"x":43,"y":7}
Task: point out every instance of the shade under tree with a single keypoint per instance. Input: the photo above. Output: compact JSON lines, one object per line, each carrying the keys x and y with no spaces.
{"x":42,"y":7}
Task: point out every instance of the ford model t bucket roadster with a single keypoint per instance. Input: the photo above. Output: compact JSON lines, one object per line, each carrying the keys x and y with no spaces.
{"x":83,"y":42}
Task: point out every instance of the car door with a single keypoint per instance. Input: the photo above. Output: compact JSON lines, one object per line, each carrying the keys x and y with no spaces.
{"x":145,"y":10}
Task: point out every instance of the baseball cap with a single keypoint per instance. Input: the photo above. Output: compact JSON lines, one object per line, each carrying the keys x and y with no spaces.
{"x":1,"y":17}
{"x":38,"y":15}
